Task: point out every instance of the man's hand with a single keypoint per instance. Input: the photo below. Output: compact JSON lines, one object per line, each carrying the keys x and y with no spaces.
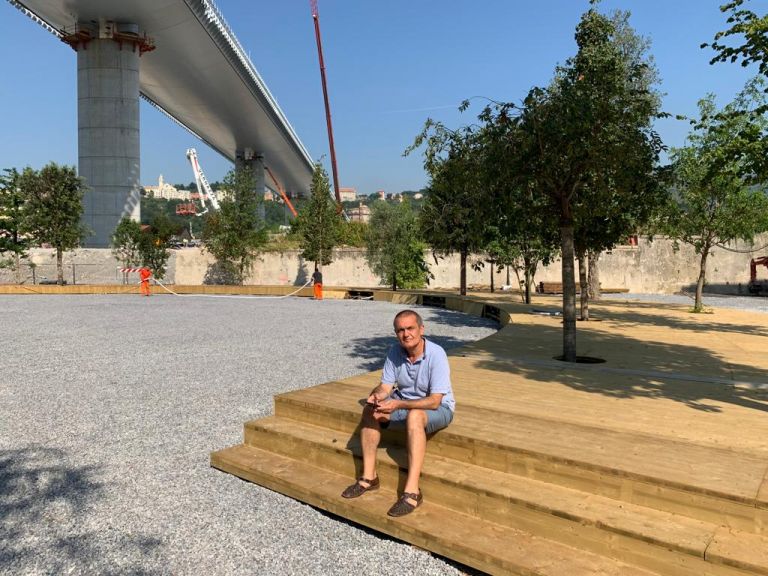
{"x":388,"y":406}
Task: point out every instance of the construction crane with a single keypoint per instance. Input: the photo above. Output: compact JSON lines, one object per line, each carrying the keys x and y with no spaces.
{"x":204,"y":190}
{"x":281,"y":191}
{"x":316,"y":19}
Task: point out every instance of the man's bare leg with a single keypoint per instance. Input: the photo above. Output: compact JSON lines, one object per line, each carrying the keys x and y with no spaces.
{"x":417,"y":447}
{"x":370,"y":436}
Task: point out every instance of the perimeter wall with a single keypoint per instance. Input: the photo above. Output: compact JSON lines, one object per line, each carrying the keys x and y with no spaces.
{"x":650,"y":267}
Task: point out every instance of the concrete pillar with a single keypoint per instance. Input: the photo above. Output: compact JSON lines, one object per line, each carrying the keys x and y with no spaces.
{"x":108,"y":132}
{"x":248,"y":159}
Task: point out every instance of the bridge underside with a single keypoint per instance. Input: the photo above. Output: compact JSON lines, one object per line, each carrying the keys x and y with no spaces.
{"x":191,"y":67}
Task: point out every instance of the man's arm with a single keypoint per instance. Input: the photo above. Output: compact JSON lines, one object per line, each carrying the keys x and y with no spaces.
{"x":381,"y":392}
{"x":431,"y":402}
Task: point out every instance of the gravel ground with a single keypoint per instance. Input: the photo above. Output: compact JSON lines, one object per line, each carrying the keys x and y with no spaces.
{"x":755,"y":303}
{"x":110,"y":406}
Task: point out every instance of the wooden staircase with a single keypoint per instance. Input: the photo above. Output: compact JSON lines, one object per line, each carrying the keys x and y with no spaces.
{"x":512,"y":493}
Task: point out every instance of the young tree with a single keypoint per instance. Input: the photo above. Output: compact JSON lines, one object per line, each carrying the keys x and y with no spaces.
{"x":12,"y":203}
{"x":235,"y":233}
{"x":319,"y":222}
{"x":395,"y":252}
{"x":712,"y":203}
{"x":584,"y":139}
{"x":126,"y":244}
{"x":154,"y":244}
{"x":453,"y":216}
{"x":54,"y":208}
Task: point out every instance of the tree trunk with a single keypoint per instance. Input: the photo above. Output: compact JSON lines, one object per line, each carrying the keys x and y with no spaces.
{"x":59,"y":266}
{"x":594,"y":276}
{"x":569,"y":293}
{"x":583,"y":286}
{"x":698,"y":306}
{"x":493,"y":266}
{"x":17,"y":268}
{"x":528,"y":279}
{"x":508,"y":275}
{"x":463,"y":280}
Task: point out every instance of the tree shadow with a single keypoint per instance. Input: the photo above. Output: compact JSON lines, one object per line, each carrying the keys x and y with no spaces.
{"x":220,"y":275}
{"x":691,"y":375}
{"x":371,"y":352}
{"x":617,"y":312}
{"x":457,"y":319}
{"x":302,"y":277}
{"x":41,"y":496}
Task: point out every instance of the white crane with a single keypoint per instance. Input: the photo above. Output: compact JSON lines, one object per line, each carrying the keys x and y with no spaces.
{"x":203,"y":188}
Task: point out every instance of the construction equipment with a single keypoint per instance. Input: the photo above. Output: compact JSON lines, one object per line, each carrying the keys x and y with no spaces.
{"x":755,"y":286}
{"x":281,"y":191}
{"x":316,"y":19}
{"x":204,"y":190}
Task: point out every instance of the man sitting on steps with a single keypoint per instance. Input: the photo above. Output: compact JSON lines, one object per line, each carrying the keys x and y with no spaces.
{"x":415,"y":395}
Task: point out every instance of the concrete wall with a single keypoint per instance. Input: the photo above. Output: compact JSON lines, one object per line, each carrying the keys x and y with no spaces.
{"x":651,"y":267}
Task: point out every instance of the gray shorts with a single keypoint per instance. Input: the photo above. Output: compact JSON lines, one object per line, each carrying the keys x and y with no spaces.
{"x":436,"y":419}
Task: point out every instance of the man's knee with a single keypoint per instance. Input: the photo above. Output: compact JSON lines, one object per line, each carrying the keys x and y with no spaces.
{"x":417,"y":419}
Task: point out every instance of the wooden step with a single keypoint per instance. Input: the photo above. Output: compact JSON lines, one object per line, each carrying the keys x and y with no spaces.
{"x":719,"y":486}
{"x":484,"y":545}
{"x":641,"y":536}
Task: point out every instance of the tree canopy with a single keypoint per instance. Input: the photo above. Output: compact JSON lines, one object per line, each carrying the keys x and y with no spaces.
{"x":395,"y":251}
{"x":235,"y":233}
{"x":54,"y":208}
{"x":319,"y":222}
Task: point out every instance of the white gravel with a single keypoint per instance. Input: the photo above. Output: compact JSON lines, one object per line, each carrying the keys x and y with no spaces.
{"x":110,"y":406}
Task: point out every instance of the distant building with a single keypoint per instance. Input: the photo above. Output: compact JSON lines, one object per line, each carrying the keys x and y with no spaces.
{"x":166,"y":191}
{"x":418,"y":196}
{"x":347,"y":194}
{"x":269,"y":196}
{"x":360,"y":214}
{"x":381,"y":194}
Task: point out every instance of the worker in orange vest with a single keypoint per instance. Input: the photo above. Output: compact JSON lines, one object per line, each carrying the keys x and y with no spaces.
{"x":317,"y":282}
{"x":145,"y":274}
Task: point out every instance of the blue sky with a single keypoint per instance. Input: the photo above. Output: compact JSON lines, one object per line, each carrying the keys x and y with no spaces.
{"x":390,"y":65}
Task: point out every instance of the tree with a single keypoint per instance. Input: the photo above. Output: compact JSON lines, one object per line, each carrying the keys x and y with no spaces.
{"x":583,"y":140}
{"x":235,"y":233}
{"x":712,"y":203}
{"x":754,"y":46}
{"x":749,"y":147}
{"x":126,"y":244}
{"x":319,"y":222}
{"x":154,"y":244}
{"x":12,"y":209}
{"x":395,"y":252}
{"x":54,"y":207}
{"x":453,"y":216}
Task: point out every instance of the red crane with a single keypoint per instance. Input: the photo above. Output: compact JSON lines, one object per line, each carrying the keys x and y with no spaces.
{"x":316,"y":18}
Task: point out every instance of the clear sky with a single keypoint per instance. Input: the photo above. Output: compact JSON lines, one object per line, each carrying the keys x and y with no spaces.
{"x":390,"y":65}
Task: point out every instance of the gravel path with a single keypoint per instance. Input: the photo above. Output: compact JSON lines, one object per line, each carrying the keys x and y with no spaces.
{"x":110,"y":406}
{"x":754,"y":303}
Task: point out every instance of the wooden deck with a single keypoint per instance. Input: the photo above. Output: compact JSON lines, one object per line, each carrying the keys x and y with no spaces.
{"x":654,"y":462}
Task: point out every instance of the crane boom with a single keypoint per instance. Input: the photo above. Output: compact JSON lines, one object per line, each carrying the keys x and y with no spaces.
{"x":203,"y":188}
{"x":281,"y":190}
{"x":316,"y":19}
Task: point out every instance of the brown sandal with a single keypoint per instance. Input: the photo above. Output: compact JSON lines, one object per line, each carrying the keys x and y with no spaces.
{"x":357,"y":489}
{"x":403,"y":507}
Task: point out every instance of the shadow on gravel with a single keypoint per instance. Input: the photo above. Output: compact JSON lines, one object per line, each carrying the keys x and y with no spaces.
{"x":370,"y":353}
{"x":455,"y":319}
{"x":43,"y":510}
